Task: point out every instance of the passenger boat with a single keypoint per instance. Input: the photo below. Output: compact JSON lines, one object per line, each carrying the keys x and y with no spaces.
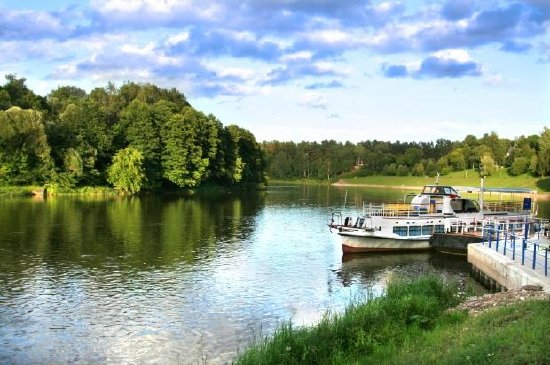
{"x":408,"y":226}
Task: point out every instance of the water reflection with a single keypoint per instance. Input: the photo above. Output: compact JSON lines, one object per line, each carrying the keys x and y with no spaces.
{"x":176,"y":279}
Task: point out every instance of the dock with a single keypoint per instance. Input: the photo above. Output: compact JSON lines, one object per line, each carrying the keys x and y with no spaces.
{"x":507,"y":259}
{"x":504,"y":255}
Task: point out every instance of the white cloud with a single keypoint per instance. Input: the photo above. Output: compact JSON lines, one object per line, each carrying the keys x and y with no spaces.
{"x":458,"y":55}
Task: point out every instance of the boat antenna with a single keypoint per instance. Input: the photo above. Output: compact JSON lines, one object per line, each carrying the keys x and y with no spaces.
{"x":481,"y":186}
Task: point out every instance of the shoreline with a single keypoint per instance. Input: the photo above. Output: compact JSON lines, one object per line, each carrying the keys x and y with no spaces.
{"x":539,"y":196}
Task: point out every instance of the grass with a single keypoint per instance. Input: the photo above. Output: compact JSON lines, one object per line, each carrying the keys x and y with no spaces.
{"x":17,"y":190}
{"x":507,"y":335}
{"x":299,"y":182}
{"x":410,"y":325}
{"x":462,"y":178}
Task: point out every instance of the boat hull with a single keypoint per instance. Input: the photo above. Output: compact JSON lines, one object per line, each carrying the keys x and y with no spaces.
{"x":355,"y":244}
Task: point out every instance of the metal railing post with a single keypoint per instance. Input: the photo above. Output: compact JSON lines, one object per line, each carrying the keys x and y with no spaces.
{"x":498,"y":238}
{"x":505,"y":241}
{"x":514,"y":247}
{"x":534,"y":256}
{"x":546,"y":262}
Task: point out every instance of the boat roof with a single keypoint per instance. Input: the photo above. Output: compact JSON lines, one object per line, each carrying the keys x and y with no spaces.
{"x":472,"y":189}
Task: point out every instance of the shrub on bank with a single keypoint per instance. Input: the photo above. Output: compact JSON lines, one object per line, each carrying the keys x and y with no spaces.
{"x":406,"y":307}
{"x":410,"y":324}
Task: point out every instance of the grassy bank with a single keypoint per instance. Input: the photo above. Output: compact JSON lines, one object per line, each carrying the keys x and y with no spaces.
{"x":411,"y":324}
{"x":463,"y":178}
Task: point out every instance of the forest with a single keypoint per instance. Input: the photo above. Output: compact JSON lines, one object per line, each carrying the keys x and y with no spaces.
{"x":486,"y":155}
{"x":135,"y":137}
{"x":141,"y":137}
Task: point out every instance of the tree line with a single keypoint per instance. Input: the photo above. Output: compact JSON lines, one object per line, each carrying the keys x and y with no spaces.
{"x":486,"y":155}
{"x":134,"y":137}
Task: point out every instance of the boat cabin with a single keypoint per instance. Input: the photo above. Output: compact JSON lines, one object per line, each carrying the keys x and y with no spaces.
{"x":440,"y":190}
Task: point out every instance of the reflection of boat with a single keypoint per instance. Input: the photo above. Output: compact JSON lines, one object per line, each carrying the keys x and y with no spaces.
{"x":376,"y":268}
{"x":437,"y":209}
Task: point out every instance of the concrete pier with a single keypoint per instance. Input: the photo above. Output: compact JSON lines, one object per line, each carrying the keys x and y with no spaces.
{"x":499,"y":272}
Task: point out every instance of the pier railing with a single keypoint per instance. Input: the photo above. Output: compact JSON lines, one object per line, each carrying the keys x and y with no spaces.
{"x":527,"y":243}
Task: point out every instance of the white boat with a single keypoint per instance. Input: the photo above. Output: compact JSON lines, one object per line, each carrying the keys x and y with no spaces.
{"x":408,"y":226}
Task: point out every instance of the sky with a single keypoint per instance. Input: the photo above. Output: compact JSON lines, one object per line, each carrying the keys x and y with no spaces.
{"x":303,"y":70}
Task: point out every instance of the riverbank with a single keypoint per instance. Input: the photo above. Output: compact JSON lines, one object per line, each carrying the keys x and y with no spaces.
{"x":43,"y":191}
{"x":343,"y":183}
{"x":419,"y":322}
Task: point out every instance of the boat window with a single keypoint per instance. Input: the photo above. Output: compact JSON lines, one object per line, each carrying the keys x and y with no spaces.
{"x":359,"y":222}
{"x":439,"y":228}
{"x":457,"y":206}
{"x":429,"y":189}
{"x":415,"y":230}
{"x":427,"y":230}
{"x":471,"y":206}
{"x":400,"y":231}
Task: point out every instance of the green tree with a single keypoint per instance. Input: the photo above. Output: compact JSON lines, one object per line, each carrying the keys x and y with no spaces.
{"x":21,"y":96}
{"x":390,"y":170}
{"x":24,"y":149}
{"x":431,"y":168}
{"x":519,"y":166}
{"x":63,"y":96}
{"x":456,"y":159}
{"x":252,"y":161}
{"x":138,"y":128}
{"x":487,"y":166}
{"x":418,"y":169}
{"x":182,"y":156}
{"x":84,"y":127}
{"x":5,"y":100}
{"x":402,"y":170}
{"x":126,"y":173}
{"x":544,"y":153}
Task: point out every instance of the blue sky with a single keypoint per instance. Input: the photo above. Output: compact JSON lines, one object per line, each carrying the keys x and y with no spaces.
{"x":303,"y":69}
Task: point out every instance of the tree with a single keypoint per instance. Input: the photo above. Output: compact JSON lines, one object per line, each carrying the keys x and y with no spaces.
{"x":126,"y":173}
{"x":63,"y":96}
{"x":139,"y":129}
{"x":519,"y":166}
{"x":390,"y":170}
{"x":456,"y":159}
{"x":21,"y":96}
{"x":251,"y":159}
{"x":544,"y":153}
{"x":418,"y":169}
{"x":431,"y":168}
{"x":84,"y":127}
{"x":24,"y":149}
{"x":182,"y":156}
{"x":402,"y":170}
{"x":412,"y":156}
{"x":487,"y":166}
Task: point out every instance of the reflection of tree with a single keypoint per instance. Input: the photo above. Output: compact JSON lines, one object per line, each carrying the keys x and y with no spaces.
{"x":163,"y":231}
{"x":126,"y":233}
{"x":193,"y":226}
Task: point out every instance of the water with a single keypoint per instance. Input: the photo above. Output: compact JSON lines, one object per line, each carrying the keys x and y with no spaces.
{"x":177,"y":279}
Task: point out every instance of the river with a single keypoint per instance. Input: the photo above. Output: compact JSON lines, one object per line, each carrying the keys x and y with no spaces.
{"x":172,"y":280}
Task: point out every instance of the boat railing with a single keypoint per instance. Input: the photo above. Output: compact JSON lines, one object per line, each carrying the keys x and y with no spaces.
{"x":397,"y":209}
{"x":465,"y":225}
{"x":503,"y":206}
